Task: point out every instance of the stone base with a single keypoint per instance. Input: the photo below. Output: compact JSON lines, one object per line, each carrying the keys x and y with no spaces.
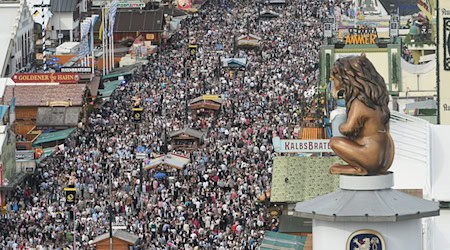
{"x":375,"y":182}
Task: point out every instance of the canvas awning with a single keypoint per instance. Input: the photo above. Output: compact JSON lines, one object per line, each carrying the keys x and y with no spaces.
{"x":53,"y":136}
{"x":117,"y":74}
{"x":235,"y":62}
{"x":109,"y":89}
{"x":273,"y":240}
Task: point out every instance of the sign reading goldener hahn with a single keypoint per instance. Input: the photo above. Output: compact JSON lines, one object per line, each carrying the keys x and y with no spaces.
{"x":46,"y":78}
{"x":301,"y":146}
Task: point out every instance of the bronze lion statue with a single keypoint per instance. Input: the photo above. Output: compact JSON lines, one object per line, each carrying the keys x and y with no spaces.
{"x":367,"y":145}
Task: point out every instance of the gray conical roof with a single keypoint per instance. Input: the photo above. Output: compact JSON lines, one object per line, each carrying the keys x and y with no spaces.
{"x":385,"y":205}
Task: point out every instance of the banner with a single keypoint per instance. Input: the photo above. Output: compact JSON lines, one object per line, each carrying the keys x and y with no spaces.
{"x":137,"y":114}
{"x":444,"y":63}
{"x":70,"y":195}
{"x":46,"y":78}
{"x":112,"y":17}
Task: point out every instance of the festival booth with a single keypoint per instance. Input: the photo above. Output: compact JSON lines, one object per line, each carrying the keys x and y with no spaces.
{"x":169,"y":160}
{"x":274,"y":2}
{"x":205,"y":105}
{"x":249,"y":41}
{"x":121,"y":240}
{"x":187,"y":138}
{"x":235,"y":66}
{"x":234,"y":63}
{"x":268,"y":14}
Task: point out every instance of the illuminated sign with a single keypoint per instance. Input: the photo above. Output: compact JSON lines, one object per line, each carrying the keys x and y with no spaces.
{"x":361,"y":36}
{"x":46,"y":78}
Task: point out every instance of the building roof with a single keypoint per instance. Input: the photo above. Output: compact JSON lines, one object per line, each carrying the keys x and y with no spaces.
{"x":297,"y":179}
{"x":8,"y":11}
{"x":63,"y":5}
{"x":53,"y":136}
{"x":428,"y":104}
{"x":118,"y":234}
{"x":139,"y":21}
{"x":406,"y":7}
{"x":188,"y":131}
{"x":173,"y":11}
{"x":39,"y":95}
{"x":274,"y":240}
{"x":385,"y":205}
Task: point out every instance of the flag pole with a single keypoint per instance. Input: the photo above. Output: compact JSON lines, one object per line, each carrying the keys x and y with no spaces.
{"x":105,"y":38}
{"x":112,"y":47}
{"x":92,"y":44}
{"x":103,"y":41}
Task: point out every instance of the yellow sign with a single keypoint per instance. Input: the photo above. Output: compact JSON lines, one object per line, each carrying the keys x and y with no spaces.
{"x":361,"y":35}
{"x":70,"y":195}
{"x":210,"y":97}
{"x":59,"y":104}
{"x":360,"y":39}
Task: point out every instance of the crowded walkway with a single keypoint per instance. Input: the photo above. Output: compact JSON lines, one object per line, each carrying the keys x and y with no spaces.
{"x":215,"y":201}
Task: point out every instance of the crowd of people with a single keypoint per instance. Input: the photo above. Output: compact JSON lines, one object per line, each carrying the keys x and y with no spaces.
{"x":219,"y":199}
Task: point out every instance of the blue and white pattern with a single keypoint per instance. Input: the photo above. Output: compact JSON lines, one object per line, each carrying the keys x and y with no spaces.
{"x":112,"y":16}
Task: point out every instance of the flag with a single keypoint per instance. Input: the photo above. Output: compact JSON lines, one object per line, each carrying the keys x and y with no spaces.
{"x":84,"y":44}
{"x":12,"y":110}
{"x":112,"y":16}
{"x":103,"y":26}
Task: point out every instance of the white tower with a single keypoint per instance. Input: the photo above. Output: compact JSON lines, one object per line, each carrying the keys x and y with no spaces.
{"x":366,"y":214}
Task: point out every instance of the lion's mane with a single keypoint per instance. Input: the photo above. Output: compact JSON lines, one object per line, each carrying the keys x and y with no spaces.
{"x":361,"y":81}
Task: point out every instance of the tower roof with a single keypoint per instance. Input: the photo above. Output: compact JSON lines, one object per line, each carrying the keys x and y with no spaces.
{"x":366,"y":205}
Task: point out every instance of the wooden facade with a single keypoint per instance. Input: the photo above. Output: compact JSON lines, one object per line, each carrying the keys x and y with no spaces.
{"x":118,"y":244}
{"x":25,"y":119}
{"x":188,"y":139}
{"x":121,"y":240}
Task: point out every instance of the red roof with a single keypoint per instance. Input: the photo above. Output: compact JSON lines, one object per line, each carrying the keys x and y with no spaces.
{"x":39,"y":95}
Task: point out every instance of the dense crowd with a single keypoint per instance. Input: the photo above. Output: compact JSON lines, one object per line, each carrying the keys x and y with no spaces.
{"x":218,"y":200}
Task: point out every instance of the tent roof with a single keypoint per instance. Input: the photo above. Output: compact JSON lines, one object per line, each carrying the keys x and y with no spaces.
{"x":53,"y":136}
{"x":250,"y":37}
{"x":207,"y":98}
{"x":118,"y":234}
{"x":109,"y":88}
{"x":188,"y":131}
{"x":235,"y":62}
{"x":269,"y":14}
